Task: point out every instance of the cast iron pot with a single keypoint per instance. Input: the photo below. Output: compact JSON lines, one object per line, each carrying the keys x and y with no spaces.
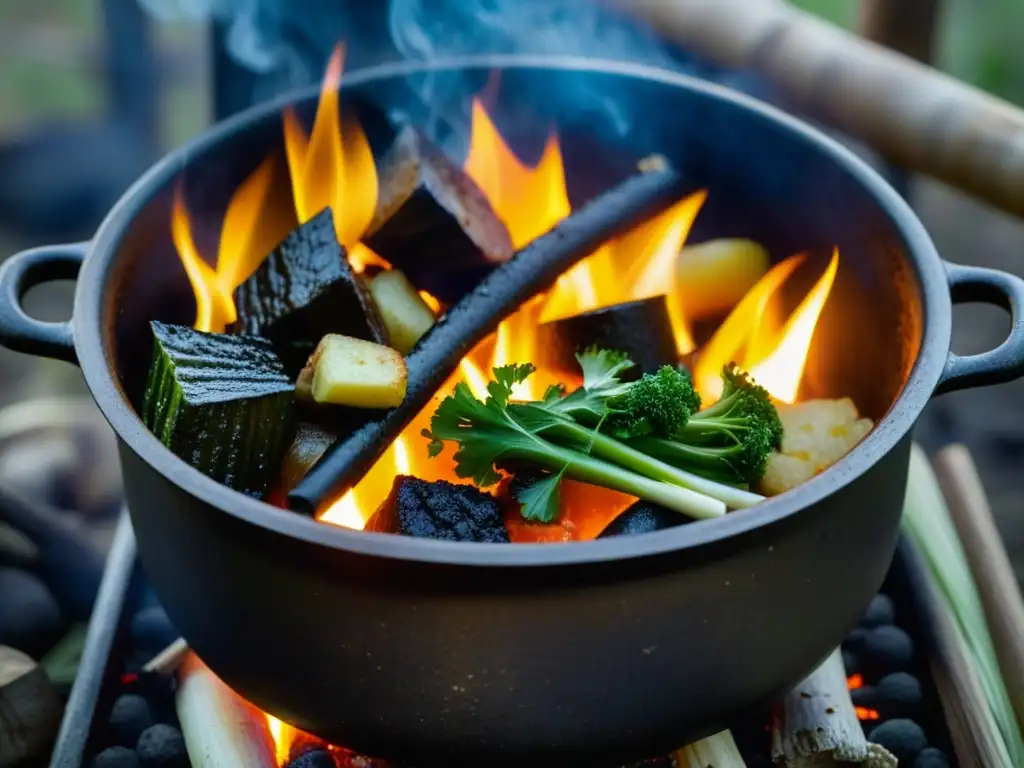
{"x":592,"y":653}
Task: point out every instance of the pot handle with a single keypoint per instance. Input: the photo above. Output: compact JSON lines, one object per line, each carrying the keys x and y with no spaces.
{"x":18,"y":330}
{"x":1005,"y":362}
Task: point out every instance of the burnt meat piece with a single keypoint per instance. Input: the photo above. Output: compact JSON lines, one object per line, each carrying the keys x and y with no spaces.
{"x":642,"y":329}
{"x":439,"y":510}
{"x":433,"y":222}
{"x":643,"y":517}
{"x":304,"y":290}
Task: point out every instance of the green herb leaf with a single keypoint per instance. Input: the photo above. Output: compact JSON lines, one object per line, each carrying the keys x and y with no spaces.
{"x":539,"y":501}
{"x":601,"y":367}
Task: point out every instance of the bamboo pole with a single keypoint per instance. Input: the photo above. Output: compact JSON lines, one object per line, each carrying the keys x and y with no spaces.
{"x":990,"y":565}
{"x":912,"y":114}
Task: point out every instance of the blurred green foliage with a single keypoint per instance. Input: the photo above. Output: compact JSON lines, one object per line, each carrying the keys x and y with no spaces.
{"x":979,"y":41}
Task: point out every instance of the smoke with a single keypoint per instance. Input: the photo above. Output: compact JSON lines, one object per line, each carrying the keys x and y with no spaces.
{"x":292,"y":40}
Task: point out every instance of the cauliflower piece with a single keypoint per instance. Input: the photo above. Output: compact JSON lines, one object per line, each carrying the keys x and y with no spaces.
{"x":816,"y":435}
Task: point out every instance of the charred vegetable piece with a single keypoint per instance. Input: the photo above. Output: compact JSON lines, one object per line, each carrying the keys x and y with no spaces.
{"x":405,"y":313}
{"x":222,"y":403}
{"x":304,"y":290}
{"x":642,"y":517}
{"x":439,"y":510}
{"x":308,"y":445}
{"x":347,"y":371}
{"x":433,"y":221}
{"x":641,"y":329}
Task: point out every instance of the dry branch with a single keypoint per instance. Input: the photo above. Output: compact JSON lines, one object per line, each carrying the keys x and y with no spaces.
{"x":914,"y":115}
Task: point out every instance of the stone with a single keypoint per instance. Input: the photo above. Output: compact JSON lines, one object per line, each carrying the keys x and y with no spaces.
{"x":162,"y":746}
{"x":30,"y":619}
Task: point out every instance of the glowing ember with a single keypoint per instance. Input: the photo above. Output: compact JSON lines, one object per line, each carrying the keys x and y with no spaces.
{"x":863,"y":713}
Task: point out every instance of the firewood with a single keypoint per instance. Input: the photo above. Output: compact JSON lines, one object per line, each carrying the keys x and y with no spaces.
{"x":816,"y":726}
{"x":219,"y":727}
{"x":989,"y":563}
{"x":30,"y":710}
{"x":169,"y":659}
{"x":916,"y":116}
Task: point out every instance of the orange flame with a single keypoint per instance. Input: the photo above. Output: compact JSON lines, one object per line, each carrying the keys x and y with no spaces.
{"x":775,"y":357}
{"x":333,"y":167}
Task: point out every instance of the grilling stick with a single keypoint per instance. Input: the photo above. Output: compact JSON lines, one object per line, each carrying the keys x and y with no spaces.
{"x":531,"y":271}
{"x":910,"y":113}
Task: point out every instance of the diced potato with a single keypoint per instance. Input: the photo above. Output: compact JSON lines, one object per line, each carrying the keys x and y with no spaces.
{"x":406,"y":315}
{"x":816,"y":435}
{"x":713,"y":276}
{"x":347,"y":371}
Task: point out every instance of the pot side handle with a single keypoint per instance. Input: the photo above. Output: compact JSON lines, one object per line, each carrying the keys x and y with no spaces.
{"x":1005,"y":362}
{"x":18,"y":330}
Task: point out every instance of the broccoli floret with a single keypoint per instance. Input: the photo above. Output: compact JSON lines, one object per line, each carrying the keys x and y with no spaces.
{"x":731,"y":440}
{"x":658,"y":404}
{"x":744,"y":407}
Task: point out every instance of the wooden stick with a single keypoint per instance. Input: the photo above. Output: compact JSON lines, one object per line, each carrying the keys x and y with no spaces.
{"x":916,"y":116}
{"x":220,"y":729}
{"x":30,"y":710}
{"x":816,"y":724}
{"x":990,"y":565}
{"x":169,"y":659}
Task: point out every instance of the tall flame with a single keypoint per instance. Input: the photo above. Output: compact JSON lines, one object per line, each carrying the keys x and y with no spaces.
{"x":775,"y":357}
{"x":332,"y":167}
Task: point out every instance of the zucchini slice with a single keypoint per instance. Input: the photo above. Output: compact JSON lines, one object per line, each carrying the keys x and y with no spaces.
{"x":405,"y":313}
{"x":353,"y":372}
{"x":433,"y":221}
{"x":222,"y":403}
{"x":304,"y":290}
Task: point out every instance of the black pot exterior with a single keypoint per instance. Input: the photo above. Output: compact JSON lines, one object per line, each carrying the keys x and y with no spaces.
{"x":587,"y":653}
{"x":596,"y":664}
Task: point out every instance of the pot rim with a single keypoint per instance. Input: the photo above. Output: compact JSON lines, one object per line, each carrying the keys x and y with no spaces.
{"x":97,"y":361}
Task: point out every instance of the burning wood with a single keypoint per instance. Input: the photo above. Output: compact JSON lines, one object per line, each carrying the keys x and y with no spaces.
{"x":816,"y":725}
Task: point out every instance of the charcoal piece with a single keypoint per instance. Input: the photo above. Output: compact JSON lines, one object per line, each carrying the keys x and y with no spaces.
{"x":129,"y":717}
{"x":887,"y":649}
{"x":116,"y":757}
{"x":158,"y":691}
{"x":303,"y":743}
{"x":851,"y":662}
{"x":930,"y":757}
{"x":641,"y":329}
{"x":880,"y":612}
{"x":30,"y":619}
{"x":855,"y":640}
{"x":162,"y":746}
{"x":904,"y":738}
{"x":314,"y":758}
{"x":433,"y":222}
{"x":895,"y":695}
{"x":304,"y":290}
{"x":642,"y":517}
{"x":151,"y":631}
{"x":439,"y":510}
